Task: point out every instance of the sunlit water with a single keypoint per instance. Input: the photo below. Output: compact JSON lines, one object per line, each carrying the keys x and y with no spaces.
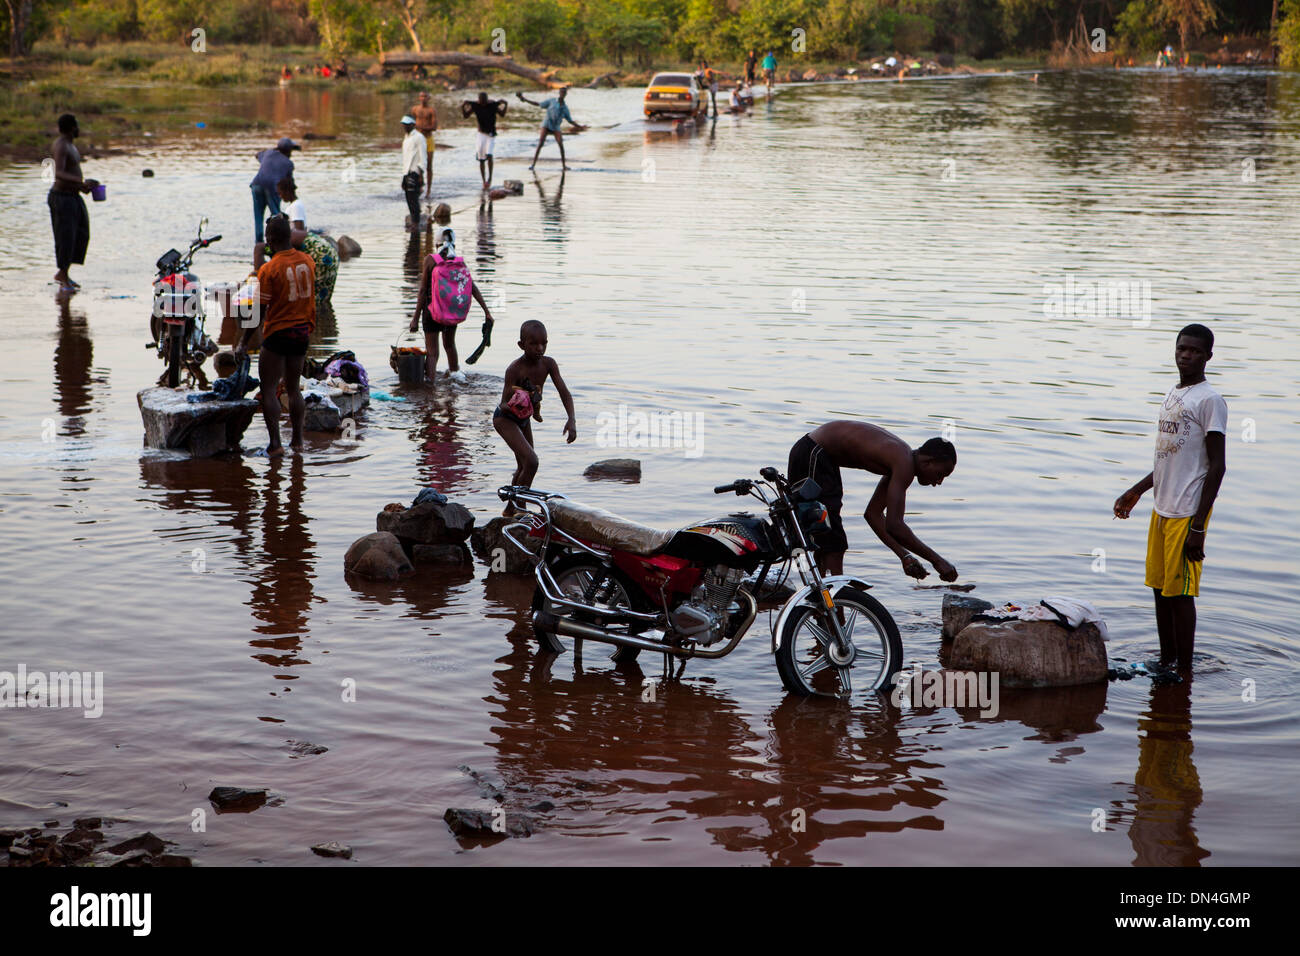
{"x":881,"y":251}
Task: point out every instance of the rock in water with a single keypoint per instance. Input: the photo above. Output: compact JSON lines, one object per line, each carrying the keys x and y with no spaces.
{"x":498,"y":192}
{"x":333,"y":848}
{"x":145,"y":841}
{"x":428,"y":523}
{"x":958,"y":609}
{"x":1031,"y":653}
{"x":378,"y":556}
{"x":349,"y":248}
{"x":513,"y":186}
{"x":478,"y":823}
{"x":322,"y":416}
{"x":236,"y":799}
{"x":201,"y":428}
{"x":491,"y":545}
{"x":615,"y":469}
{"x":449,"y":554}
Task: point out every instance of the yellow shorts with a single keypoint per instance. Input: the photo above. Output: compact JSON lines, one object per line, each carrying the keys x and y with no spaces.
{"x":428,"y":142}
{"x":1168,"y":569}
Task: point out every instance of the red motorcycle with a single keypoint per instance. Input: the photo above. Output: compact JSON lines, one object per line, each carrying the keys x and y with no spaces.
{"x":690,"y":592}
{"x":176,"y":322}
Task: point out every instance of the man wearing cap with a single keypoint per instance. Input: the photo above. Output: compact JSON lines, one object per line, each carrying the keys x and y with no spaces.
{"x":276,"y":165}
{"x":414,"y":149}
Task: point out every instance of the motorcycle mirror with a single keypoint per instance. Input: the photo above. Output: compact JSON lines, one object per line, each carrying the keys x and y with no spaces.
{"x":809,"y":490}
{"x":203,"y":224}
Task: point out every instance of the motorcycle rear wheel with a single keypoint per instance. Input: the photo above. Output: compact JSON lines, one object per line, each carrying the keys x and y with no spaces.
{"x":807,"y":670}
{"x":576,"y":575}
{"x":174,"y":345}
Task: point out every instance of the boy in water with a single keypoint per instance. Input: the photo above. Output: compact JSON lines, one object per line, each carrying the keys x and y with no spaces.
{"x":1189,"y":467}
{"x":521,"y":399}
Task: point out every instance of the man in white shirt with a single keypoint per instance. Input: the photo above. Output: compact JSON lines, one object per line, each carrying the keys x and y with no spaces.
{"x":414,"y":149}
{"x":1189,"y":468}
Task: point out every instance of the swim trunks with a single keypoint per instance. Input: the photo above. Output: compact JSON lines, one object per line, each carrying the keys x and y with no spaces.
{"x":1168,"y":570}
{"x":288,"y":342}
{"x":500,"y":412}
{"x":810,"y":460}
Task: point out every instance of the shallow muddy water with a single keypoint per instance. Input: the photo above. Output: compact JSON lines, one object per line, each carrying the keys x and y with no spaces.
{"x":884,"y":251}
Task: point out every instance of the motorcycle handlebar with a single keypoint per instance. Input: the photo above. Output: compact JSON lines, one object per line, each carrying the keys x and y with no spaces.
{"x":723,"y":489}
{"x":740,"y":486}
{"x":211,"y":239}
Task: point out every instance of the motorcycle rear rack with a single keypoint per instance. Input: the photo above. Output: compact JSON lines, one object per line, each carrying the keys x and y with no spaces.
{"x":545,"y":579}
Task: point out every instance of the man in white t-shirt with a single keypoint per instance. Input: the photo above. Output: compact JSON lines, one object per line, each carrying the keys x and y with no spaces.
{"x":414,"y":150}
{"x":1189,"y":468}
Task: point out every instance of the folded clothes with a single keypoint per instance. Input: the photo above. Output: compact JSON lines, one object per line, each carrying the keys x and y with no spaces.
{"x":1068,"y":612}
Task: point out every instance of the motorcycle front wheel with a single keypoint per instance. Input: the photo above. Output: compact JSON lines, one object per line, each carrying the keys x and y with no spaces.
{"x":585,"y":579}
{"x":806,"y":664}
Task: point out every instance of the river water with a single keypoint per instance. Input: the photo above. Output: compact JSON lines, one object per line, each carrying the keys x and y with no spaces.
{"x":883,"y":251}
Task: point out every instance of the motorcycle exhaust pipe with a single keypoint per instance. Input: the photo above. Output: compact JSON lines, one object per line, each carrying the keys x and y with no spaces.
{"x":546,"y":621}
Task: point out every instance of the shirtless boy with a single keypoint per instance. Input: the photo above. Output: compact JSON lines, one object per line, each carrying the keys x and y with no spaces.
{"x":823,"y":451}
{"x":521,"y":399}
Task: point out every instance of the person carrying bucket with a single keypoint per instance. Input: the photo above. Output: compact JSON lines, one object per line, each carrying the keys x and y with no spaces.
{"x":446,"y":289}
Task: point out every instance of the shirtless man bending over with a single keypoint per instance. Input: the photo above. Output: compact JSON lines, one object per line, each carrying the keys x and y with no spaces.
{"x":822,"y":452}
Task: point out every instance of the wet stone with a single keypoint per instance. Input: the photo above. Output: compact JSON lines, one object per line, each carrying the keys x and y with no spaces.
{"x":450,"y":554}
{"x":614,"y":469}
{"x":478,"y":823}
{"x":304,"y":748}
{"x":333,"y":848}
{"x":958,"y":611}
{"x":491,"y":546}
{"x":145,"y":841}
{"x":236,"y":799}
{"x":378,"y":556}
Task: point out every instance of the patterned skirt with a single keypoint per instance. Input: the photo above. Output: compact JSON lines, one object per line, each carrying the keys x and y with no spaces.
{"x":324,"y":251}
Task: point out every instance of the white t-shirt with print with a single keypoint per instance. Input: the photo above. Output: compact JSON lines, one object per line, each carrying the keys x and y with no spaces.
{"x":1186,"y":415}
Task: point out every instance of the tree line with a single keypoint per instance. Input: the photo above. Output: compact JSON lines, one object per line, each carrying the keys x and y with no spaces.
{"x":642,"y":32}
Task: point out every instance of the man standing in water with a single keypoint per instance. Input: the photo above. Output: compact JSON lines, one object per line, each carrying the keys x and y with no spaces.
{"x":485,"y":112}
{"x":68,"y":213}
{"x":413,"y":152}
{"x":751,"y":63}
{"x":426,"y":121}
{"x":769,"y":72}
{"x":821,"y":452}
{"x":1189,"y":467}
{"x":557,"y":111}
{"x":274,"y":165}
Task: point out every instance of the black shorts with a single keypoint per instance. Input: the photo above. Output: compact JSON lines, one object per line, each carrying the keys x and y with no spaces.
{"x":429,"y":324}
{"x":810,"y":460}
{"x":290,"y":343}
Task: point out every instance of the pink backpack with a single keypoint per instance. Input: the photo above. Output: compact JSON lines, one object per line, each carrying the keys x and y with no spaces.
{"x":450,"y":290}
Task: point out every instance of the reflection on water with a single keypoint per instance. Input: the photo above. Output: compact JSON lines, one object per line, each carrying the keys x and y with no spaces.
{"x":922,"y":303}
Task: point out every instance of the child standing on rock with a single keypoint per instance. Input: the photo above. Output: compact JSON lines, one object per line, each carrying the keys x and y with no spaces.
{"x":521,"y":400}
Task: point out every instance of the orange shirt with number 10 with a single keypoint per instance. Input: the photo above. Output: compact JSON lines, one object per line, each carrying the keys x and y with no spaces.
{"x":287,"y":283}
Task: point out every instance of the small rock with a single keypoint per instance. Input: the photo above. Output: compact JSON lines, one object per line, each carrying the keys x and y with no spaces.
{"x":486,"y":787}
{"x":513,"y":186}
{"x":478,"y":823}
{"x":236,"y":799}
{"x":147,"y":173}
{"x":958,"y":610}
{"x":349,"y":248}
{"x":7,"y":837}
{"x":322,"y":415}
{"x":498,"y":192}
{"x":82,"y":835}
{"x":170,"y":859}
{"x":428,"y":523}
{"x":545,"y":806}
{"x":333,"y":849}
{"x":615,"y":469}
{"x":448,"y":554}
{"x":304,"y":748}
{"x":378,"y":556}
{"x":491,"y":546}
{"x":145,"y":841}
{"x":88,"y":823}
{"x":51,"y":824}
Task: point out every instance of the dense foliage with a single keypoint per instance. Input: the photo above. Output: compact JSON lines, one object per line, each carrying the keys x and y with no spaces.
{"x":642,"y":31}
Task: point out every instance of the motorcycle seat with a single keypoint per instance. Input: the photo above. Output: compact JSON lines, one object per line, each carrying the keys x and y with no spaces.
{"x":597,"y":526}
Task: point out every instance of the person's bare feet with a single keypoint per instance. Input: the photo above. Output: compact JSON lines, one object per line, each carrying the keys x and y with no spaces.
{"x":274,"y":451}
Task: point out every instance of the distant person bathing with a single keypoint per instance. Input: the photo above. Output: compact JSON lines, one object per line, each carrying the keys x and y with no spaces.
{"x":68,"y":215}
{"x":275,"y":166}
{"x":1190,"y":463}
{"x":820,"y":454}
{"x":557,"y":111}
{"x":426,"y":121}
{"x":485,"y":113}
{"x":413,"y":153}
{"x":521,"y":402}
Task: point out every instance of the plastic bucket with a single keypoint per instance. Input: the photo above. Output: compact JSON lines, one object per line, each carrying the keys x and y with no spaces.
{"x":99,"y":192}
{"x":409,"y":365}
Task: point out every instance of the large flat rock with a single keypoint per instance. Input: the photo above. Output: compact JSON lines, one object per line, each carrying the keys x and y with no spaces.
{"x":1031,"y":653}
{"x":200,"y":428}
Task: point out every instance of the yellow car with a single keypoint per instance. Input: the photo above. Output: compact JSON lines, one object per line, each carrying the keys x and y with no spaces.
{"x":675,"y":93}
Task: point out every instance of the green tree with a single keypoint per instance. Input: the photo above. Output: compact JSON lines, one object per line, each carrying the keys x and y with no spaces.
{"x":1191,"y":17}
{"x":1287,"y":36}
